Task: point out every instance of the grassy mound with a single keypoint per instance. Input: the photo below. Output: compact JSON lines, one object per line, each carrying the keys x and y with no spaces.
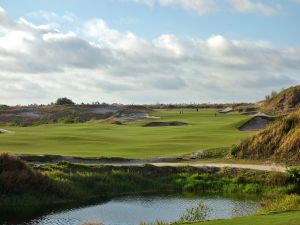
{"x":279,"y":141}
{"x":16,"y":177}
{"x":284,"y":101}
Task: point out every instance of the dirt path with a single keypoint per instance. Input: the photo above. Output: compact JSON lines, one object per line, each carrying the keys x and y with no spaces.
{"x":39,"y":160}
{"x":272,"y":167}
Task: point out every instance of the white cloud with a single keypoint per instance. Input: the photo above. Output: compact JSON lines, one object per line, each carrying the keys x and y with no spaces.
{"x":297,"y":1}
{"x":197,"y":6}
{"x":251,"y":6}
{"x":41,"y":63}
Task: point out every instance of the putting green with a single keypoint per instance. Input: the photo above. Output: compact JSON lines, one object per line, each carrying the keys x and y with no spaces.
{"x":94,"y":139}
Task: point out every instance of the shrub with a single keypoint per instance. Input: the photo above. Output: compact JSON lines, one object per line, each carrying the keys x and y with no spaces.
{"x":294,"y":174}
{"x":196,"y":214}
{"x":233,"y":150}
{"x":64,"y":101}
{"x":16,"y":177}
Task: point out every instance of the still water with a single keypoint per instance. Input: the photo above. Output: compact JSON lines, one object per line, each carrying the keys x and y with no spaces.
{"x":132,"y":210}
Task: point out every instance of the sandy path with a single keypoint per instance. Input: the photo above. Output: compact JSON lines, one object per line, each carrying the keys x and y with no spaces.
{"x":137,"y":162}
{"x":272,"y":167}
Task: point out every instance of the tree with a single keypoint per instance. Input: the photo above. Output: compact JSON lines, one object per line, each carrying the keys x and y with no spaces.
{"x":64,"y":101}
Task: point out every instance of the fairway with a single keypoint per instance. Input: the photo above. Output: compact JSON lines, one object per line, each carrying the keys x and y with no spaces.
{"x":285,"y":218}
{"x":96,"y":139}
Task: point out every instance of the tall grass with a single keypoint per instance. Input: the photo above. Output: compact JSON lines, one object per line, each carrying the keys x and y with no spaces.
{"x":281,"y":203}
{"x":280,"y":141}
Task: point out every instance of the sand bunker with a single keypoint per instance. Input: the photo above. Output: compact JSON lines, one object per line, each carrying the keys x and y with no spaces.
{"x":103,"y":110}
{"x":163,"y":124}
{"x":256,"y":123}
{"x":2,"y":131}
{"x":226,"y":110}
{"x":30,"y":114}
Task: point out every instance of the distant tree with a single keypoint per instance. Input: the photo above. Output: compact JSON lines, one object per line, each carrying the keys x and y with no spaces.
{"x":64,"y":101}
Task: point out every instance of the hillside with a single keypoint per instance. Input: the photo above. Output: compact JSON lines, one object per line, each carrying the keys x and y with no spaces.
{"x":33,"y":115}
{"x":284,"y":101}
{"x":279,"y":142}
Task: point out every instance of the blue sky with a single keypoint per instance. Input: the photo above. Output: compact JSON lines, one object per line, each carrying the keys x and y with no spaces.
{"x":148,"y":50}
{"x":149,"y":22}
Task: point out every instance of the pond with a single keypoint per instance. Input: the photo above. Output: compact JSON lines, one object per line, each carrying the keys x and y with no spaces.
{"x":132,"y":210}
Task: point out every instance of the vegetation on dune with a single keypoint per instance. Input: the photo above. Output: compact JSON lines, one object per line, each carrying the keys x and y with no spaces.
{"x":279,"y":141}
{"x":284,"y":101}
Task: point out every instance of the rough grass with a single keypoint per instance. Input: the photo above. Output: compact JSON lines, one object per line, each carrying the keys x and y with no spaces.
{"x":284,"y":101}
{"x":281,"y":203}
{"x":205,"y":130}
{"x":279,"y":141}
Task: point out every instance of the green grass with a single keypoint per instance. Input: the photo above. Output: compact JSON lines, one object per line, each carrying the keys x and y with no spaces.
{"x":95,"y":139}
{"x":286,"y":218}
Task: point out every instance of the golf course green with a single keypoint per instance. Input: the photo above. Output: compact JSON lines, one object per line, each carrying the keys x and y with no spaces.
{"x":206,"y":129}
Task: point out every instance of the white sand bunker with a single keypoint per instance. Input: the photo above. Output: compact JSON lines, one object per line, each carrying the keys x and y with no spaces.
{"x":2,"y":131}
{"x":256,"y":123}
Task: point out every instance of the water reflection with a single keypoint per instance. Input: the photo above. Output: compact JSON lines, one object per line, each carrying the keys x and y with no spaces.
{"x":132,"y":210}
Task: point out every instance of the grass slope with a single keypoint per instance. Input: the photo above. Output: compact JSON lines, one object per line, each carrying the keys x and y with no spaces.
{"x":93,"y":139}
{"x":286,"y":218}
{"x":279,"y":141}
{"x":286,"y":100}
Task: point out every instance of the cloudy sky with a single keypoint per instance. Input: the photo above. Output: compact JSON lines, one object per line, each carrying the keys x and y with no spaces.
{"x":147,"y":51}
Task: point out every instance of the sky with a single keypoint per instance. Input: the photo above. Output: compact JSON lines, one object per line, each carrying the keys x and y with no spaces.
{"x":147,"y":51}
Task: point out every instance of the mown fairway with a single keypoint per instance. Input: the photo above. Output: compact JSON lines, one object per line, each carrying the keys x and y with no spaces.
{"x":287,"y":218}
{"x":94,"y":139}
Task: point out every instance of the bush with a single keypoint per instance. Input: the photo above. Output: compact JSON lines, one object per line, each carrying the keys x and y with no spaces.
{"x":233,"y":150}
{"x":197,"y":214}
{"x":16,"y":177}
{"x":64,"y":101}
{"x":294,"y":174}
